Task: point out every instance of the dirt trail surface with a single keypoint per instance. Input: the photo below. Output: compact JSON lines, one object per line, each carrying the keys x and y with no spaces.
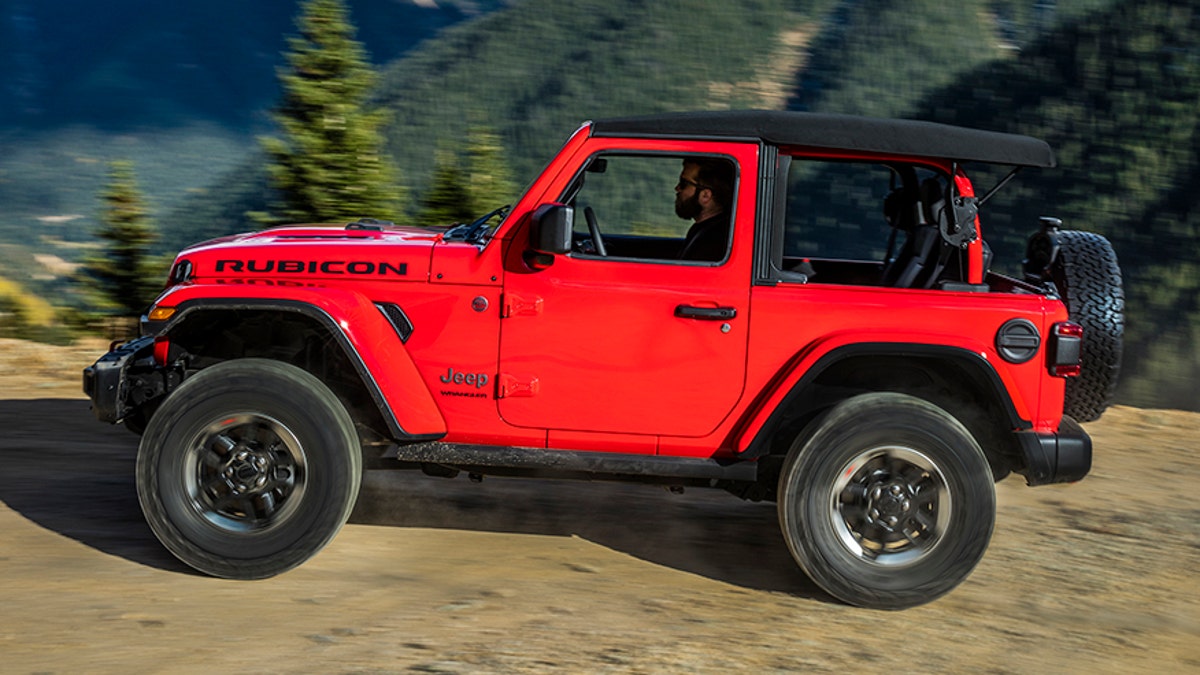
{"x":435,"y":575}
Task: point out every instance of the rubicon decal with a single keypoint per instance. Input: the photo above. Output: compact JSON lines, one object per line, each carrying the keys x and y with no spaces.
{"x":356,"y":267}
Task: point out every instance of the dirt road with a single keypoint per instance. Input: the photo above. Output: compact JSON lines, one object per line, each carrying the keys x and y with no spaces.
{"x":433,"y":575}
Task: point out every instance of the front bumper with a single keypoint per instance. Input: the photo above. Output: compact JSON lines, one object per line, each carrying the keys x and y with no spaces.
{"x":110,"y":384}
{"x":1061,"y":457}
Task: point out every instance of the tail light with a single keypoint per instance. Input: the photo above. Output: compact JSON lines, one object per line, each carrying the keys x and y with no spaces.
{"x":1065,"y":349}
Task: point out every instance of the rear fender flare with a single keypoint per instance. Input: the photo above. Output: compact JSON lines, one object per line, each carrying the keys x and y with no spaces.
{"x":794,"y":380}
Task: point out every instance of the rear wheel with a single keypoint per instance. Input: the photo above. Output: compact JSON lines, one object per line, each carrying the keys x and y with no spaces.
{"x":248,"y":469}
{"x":886,"y":501}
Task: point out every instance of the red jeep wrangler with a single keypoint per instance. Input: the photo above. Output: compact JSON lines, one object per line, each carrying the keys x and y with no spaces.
{"x":837,"y":344}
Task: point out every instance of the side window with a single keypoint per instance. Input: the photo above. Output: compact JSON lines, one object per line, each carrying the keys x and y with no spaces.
{"x":848,"y":222}
{"x":835,"y":210}
{"x":654,"y":207}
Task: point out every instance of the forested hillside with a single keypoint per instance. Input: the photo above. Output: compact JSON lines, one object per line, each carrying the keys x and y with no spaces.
{"x":1111,"y":84}
{"x":536,"y":70}
{"x":1117,"y":94}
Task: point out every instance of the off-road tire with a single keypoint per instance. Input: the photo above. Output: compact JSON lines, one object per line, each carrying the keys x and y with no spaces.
{"x":1087,"y":276}
{"x":248,"y":469}
{"x":877,"y":457}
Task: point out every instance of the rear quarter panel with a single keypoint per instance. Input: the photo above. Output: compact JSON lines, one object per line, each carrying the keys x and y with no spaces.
{"x":793,"y":325}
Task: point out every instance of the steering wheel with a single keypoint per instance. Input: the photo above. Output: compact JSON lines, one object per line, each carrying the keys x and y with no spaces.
{"x":594,"y":229}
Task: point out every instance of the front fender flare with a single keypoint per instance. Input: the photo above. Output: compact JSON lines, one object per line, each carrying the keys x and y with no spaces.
{"x":368,"y":339}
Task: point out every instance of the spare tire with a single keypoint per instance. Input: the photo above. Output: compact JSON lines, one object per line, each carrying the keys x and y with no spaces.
{"x":1086,"y":273}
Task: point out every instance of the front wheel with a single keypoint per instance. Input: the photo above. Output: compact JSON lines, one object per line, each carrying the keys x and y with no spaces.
{"x":248,"y":469}
{"x":886,"y":501}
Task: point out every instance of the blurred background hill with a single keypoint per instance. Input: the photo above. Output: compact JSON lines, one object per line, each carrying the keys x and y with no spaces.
{"x":1113,"y":85}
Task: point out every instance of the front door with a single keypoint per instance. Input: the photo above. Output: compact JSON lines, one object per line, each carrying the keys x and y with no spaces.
{"x":639,"y":340}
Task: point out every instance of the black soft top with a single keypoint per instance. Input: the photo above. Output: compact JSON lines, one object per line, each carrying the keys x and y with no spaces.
{"x":911,"y":138}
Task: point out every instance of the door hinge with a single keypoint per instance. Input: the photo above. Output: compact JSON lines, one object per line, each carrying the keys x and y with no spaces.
{"x":515,"y":305}
{"x":511,"y":386}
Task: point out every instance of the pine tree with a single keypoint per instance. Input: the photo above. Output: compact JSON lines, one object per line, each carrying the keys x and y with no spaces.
{"x":489,"y":179}
{"x":468,"y":184}
{"x":125,"y":275}
{"x":329,"y":165}
{"x":447,"y":199}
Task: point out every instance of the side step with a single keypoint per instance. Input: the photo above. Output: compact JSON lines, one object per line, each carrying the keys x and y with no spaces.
{"x":500,"y":460}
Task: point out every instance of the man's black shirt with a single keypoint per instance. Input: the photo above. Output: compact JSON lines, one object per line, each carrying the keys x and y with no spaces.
{"x":707,"y":239}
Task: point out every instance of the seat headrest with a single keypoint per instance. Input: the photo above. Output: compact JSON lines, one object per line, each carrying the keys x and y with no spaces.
{"x":901,"y":209}
{"x":933,"y":200}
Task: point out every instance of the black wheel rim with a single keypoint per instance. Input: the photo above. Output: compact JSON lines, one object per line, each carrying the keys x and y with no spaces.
{"x":245,"y":472}
{"x":890,"y":505}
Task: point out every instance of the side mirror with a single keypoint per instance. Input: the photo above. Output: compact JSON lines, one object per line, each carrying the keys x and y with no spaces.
{"x":551,"y":229}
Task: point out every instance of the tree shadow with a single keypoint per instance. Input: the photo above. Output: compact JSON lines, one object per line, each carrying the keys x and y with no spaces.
{"x":72,"y":475}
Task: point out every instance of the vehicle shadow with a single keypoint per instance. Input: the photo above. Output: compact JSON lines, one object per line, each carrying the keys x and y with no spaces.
{"x":70,"y":474}
{"x":705,"y":532}
{"x":66,"y":472}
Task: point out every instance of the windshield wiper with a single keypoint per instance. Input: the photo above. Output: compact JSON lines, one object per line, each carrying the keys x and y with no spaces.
{"x":475,"y":231}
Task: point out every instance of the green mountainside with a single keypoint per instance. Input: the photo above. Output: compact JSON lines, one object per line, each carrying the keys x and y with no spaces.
{"x":882,"y":58}
{"x":1117,"y":94}
{"x":535,"y":71}
{"x":542,"y":67}
{"x":1111,"y":84}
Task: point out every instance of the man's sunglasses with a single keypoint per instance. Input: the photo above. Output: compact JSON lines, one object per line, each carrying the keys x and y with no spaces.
{"x":683,"y":182}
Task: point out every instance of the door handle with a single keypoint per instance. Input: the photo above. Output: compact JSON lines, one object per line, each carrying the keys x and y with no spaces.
{"x":705,"y":313}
